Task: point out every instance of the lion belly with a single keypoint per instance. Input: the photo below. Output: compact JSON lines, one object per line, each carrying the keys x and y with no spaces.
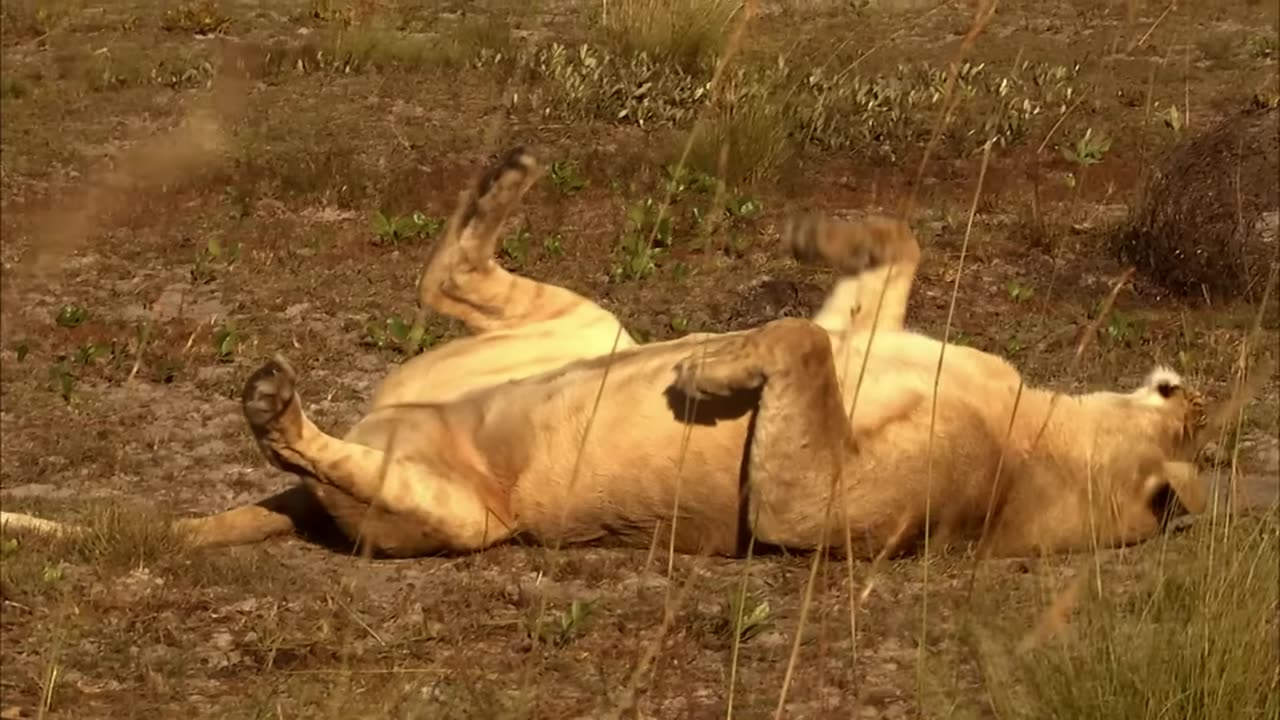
{"x":616,"y":463}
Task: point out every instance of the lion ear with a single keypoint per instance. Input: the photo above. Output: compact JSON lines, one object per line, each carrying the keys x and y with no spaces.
{"x":1183,"y":479}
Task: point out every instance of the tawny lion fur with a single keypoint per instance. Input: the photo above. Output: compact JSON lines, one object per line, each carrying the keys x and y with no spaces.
{"x":551,"y":423}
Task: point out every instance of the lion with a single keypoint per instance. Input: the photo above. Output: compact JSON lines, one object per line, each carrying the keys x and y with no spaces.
{"x":551,"y":424}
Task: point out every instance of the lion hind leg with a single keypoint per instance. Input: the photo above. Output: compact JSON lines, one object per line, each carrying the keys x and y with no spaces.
{"x":802,"y":436}
{"x":462,"y":279}
{"x":286,"y":512}
{"x":410,"y":505}
{"x":277,"y":515}
{"x":876,"y":255}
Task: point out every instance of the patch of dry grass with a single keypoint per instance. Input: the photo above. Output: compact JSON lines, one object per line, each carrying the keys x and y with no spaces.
{"x":1193,"y":635}
{"x":688,"y":33}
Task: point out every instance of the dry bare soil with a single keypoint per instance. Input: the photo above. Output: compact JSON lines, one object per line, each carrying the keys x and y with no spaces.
{"x":190,"y":187}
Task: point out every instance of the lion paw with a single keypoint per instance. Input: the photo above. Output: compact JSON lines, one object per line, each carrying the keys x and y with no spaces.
{"x":503,"y":185}
{"x":268,"y":399}
{"x":719,"y":371}
{"x":850,"y":246}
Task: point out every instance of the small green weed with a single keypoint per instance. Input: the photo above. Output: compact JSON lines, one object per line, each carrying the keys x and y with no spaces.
{"x":70,"y":316}
{"x":88,"y":352}
{"x":1089,"y":149}
{"x":394,"y":333}
{"x":1124,"y":329}
{"x":645,"y":220}
{"x":211,"y":257}
{"x":745,"y":616}
{"x":226,"y":341}
{"x":566,"y":177}
{"x":680,"y":180}
{"x":394,"y":230}
{"x":515,"y":248}
{"x":562,"y":627}
{"x":1019,"y":292}
{"x":62,"y":380}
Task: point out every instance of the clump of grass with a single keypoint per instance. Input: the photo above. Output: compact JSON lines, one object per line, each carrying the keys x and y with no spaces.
{"x":115,"y":537}
{"x":756,"y":134}
{"x":684,"y":32}
{"x":203,"y":17}
{"x":1199,"y":640}
{"x":372,"y":47}
{"x":27,"y":19}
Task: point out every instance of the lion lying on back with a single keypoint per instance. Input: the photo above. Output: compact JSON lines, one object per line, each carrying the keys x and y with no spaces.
{"x":551,"y":423}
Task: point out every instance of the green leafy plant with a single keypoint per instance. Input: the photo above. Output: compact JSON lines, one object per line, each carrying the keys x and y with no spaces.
{"x":1124,"y":328}
{"x":211,"y":257}
{"x":61,"y":379}
{"x":394,"y":230}
{"x":566,"y":178}
{"x":226,"y":341}
{"x":681,"y":180}
{"x":87,"y":353}
{"x":70,"y":316}
{"x":1089,"y":149}
{"x":516,"y":247}
{"x":745,"y":616}
{"x":1019,"y":292}
{"x":644,"y":239}
{"x":562,"y":627}
{"x":395,"y":333}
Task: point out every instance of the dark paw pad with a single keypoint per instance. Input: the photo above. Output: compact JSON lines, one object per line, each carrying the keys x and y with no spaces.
{"x":500,"y":188}
{"x":268,"y":393}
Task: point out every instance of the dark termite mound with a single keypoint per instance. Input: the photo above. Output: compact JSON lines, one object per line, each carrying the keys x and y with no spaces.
{"x":1205,"y":224}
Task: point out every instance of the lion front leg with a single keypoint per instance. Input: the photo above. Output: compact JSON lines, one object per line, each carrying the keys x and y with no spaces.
{"x":463,"y":280}
{"x":801,"y":436}
{"x":392,"y":503}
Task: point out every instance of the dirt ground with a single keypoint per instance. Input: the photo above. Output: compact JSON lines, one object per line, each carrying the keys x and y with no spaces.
{"x":164,"y":233}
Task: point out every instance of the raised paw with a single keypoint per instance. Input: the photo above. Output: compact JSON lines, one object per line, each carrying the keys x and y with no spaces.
{"x":270,"y":402}
{"x":472,"y":237}
{"x":850,"y":246}
{"x":720,"y":370}
{"x":500,"y":189}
